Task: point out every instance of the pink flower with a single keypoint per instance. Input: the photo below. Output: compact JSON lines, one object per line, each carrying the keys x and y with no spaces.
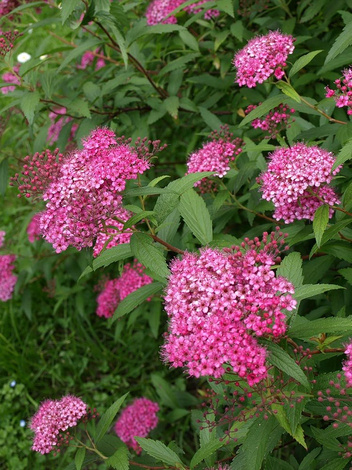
{"x":88,"y":58}
{"x":158,"y":10}
{"x":137,"y":420}
{"x":343,"y":94}
{"x":33,"y":229}
{"x":7,"y":278}
{"x":54,"y":417}
{"x":57,"y":123}
{"x":6,"y":6}
{"x":347,"y":366}
{"x":2,"y":238}
{"x":194,"y":8}
{"x":297,"y":182}
{"x":10,"y":77}
{"x":215,"y":155}
{"x":218,"y":302}
{"x":262,"y":57}
{"x":274,"y":122}
{"x":115,"y":290}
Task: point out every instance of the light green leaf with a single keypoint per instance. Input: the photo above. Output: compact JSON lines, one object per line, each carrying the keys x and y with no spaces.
{"x":297,"y":434}
{"x":264,"y":108}
{"x":172,"y":104}
{"x":280,"y":359}
{"x":29,"y":103}
{"x":119,"y":460}
{"x":226,"y":6}
{"x":288,"y":90}
{"x":291,"y":269}
{"x":134,"y":299}
{"x":159,"y":451}
{"x":145,"y":191}
{"x":91,"y":90}
{"x":79,"y":107}
{"x":205,"y":451}
{"x":335,"y":464}
{"x":341,"y":43}
{"x":116,"y":253}
{"x":347,"y":274}
{"x":145,"y":250}
{"x":320,"y":222}
{"x":79,"y":457}
{"x":310,"y":290}
{"x":67,"y":7}
{"x":107,"y":418}
{"x":157,"y":180}
{"x":302,"y":62}
{"x":303,"y":328}
{"x":189,"y":40}
{"x":196,"y":215}
{"x":344,"y":154}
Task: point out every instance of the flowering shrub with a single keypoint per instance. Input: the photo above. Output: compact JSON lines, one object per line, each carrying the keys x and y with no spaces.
{"x":221,"y":265}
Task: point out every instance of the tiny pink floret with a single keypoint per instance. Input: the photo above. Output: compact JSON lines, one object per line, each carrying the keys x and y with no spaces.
{"x":347,"y":366}
{"x":7,"y":278}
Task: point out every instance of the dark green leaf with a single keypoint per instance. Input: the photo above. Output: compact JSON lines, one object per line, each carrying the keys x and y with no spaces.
{"x":178,"y":63}
{"x":196,"y":215}
{"x":310,"y":290}
{"x":341,"y":43}
{"x":29,"y":103}
{"x":137,"y":218}
{"x":4,"y":170}
{"x":210,"y":119}
{"x":344,"y":154}
{"x":205,"y":451}
{"x":320,"y":222}
{"x":226,"y":6}
{"x":159,"y":451}
{"x":303,"y":328}
{"x":288,"y":90}
{"x":67,"y":7}
{"x":144,"y":249}
{"x":172,"y":104}
{"x":306,"y":463}
{"x":302,"y":62}
{"x":109,"y":256}
{"x":90,"y":43}
{"x":107,"y":418}
{"x":79,"y":457}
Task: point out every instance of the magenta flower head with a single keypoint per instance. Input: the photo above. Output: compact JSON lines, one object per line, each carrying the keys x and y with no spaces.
{"x":137,"y":420}
{"x":58,"y":120}
{"x":347,"y":366}
{"x":343,"y":93}
{"x":2,"y":238}
{"x":262,"y":57}
{"x":274,"y":122}
{"x":33,"y":229}
{"x":12,"y":78}
{"x":215,"y":155}
{"x":7,"y":278}
{"x":219,"y":302}
{"x":297,"y":182}
{"x":158,"y":10}
{"x":52,"y":419}
{"x":115,"y":290}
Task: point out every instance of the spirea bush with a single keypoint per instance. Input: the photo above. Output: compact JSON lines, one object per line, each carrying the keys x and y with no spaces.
{"x":175,"y":235}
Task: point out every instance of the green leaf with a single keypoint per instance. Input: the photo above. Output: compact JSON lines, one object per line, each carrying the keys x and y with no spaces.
{"x":335,"y":464}
{"x":196,"y":215}
{"x":341,"y":43}
{"x":134,"y":299}
{"x":189,"y":40}
{"x":210,"y":119}
{"x":29,"y":103}
{"x":137,"y":217}
{"x":172,"y":104}
{"x":119,"y":460}
{"x":306,"y":463}
{"x":145,"y":250}
{"x":91,"y":90}
{"x":302,"y":62}
{"x":164,"y":390}
{"x":168,"y":229}
{"x":226,"y":6}
{"x":327,"y":438}
{"x":102,"y":5}
{"x":347,"y":274}
{"x":291,"y":269}
{"x":205,"y":451}
{"x":297,"y":434}
{"x":303,"y":328}
{"x":4,"y":171}
{"x":146,"y":191}
{"x":331,"y":232}
{"x":157,"y":180}
{"x":67,"y":7}
{"x":310,"y":290}
{"x":288,"y":90}
{"x":320,"y":222}
{"x":280,"y":359}
{"x":79,"y":107}
{"x":344,"y":154}
{"x":79,"y":457}
{"x":178,"y":63}
{"x":110,"y":22}
{"x":264,"y":108}
{"x":107,"y":418}
{"x":90,"y":43}
{"x":159,"y":451}
{"x":116,"y":253}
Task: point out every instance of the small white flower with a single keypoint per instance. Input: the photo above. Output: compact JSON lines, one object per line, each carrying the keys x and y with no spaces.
{"x":23,"y":57}
{"x":42,"y":57}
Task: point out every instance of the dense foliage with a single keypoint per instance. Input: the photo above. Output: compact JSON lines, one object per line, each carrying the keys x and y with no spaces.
{"x":175,"y":240}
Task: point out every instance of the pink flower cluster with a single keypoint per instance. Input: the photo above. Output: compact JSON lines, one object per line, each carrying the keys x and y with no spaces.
{"x":9,"y":77}
{"x":82,"y":190}
{"x":7,"y":39}
{"x":88,"y":59}
{"x":58,"y":120}
{"x":274,"y":122}
{"x":158,"y":10}
{"x":7,"y":278}
{"x":262,"y":57}
{"x":219,"y":302}
{"x":115,"y":290}
{"x":297,"y":182}
{"x":137,"y":420}
{"x":343,"y":94}
{"x":215,"y":155}
{"x":6,"y":6}
{"x":54,"y":417}
{"x":33,"y":228}
{"x":347,"y":367}
{"x":2,"y":238}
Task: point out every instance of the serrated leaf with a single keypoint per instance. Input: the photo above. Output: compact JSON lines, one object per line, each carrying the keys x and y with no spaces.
{"x":196,"y":215}
{"x":210,"y":119}
{"x":309,"y":459}
{"x":172,"y":104}
{"x":226,"y":6}
{"x":344,"y":154}
{"x":335,"y":464}
{"x":164,"y":391}
{"x":320,"y":222}
{"x":264,"y":108}
{"x":116,"y":253}
{"x":178,"y":63}
{"x":157,"y":180}
{"x":282,"y":418}
{"x":281,"y":359}
{"x":303,"y":328}
{"x":91,"y":90}
{"x":341,"y":43}
{"x":205,"y":451}
{"x":302,"y":62}
{"x":107,"y":418}
{"x":255,"y":445}
{"x":144,"y":249}
{"x":79,"y":107}
{"x":326,"y":438}
{"x":119,"y":460}
{"x":310,"y":290}
{"x":110,"y":22}
{"x":67,"y":7}
{"x":79,"y":457}
{"x":347,"y":274}
{"x":134,"y":299}
{"x":189,"y":40}
{"x":291,"y":268}
{"x":288,"y":90}
{"x":29,"y":103}
{"x":168,"y":229}
{"x":159,"y":451}
{"x":145,"y":191}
